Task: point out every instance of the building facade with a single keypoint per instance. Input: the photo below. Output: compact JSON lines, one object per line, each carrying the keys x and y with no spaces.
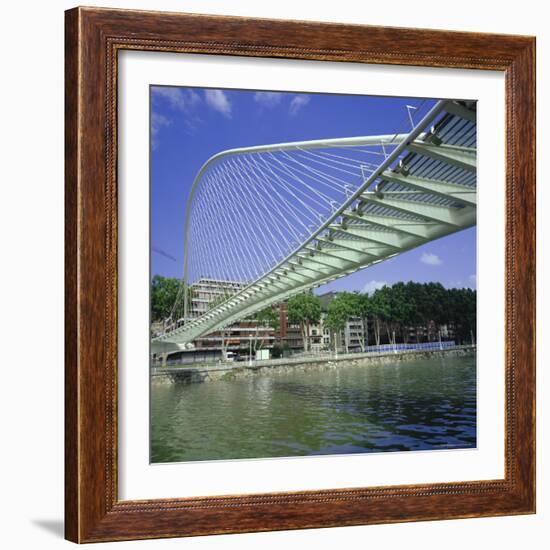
{"x":206,"y":291}
{"x":238,"y":341}
{"x":289,"y":335}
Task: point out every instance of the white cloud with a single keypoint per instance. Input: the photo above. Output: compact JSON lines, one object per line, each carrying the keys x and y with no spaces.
{"x":371,"y":286}
{"x":157,"y":122}
{"x":430,"y":259}
{"x":193,"y":97}
{"x":268,"y":99}
{"x":473,"y":280}
{"x":178,"y":99}
{"x":174,"y":96}
{"x":297,"y":103}
{"x":218,"y":101}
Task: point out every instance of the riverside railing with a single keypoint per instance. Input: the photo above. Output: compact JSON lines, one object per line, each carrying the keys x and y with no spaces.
{"x":405,"y":347}
{"x":320,"y":355}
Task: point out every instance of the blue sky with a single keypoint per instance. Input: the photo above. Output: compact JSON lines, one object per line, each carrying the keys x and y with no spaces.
{"x":188,"y":125}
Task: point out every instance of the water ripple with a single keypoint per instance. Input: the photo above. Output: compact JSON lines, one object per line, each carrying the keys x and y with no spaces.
{"x":417,"y":405}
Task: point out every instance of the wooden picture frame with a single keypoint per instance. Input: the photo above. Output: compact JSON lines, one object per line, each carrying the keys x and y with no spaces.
{"x":93,"y":511}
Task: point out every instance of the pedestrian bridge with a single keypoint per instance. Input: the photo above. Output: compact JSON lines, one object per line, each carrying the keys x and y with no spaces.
{"x":282,"y":219}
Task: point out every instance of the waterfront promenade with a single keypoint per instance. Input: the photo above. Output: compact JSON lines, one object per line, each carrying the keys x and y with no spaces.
{"x":384,"y":354}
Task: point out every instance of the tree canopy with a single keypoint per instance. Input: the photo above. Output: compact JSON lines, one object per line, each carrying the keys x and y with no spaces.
{"x":267,"y":317}
{"x":402,"y":306}
{"x":344,"y":306}
{"x":304,"y":309}
{"x":163,"y":296}
{"x":405,"y":305}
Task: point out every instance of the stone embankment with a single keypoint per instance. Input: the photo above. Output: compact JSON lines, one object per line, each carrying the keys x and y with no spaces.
{"x":234,"y":370}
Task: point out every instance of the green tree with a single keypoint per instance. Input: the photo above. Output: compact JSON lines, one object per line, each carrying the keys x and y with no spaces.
{"x":380,"y":309}
{"x":345,"y":306}
{"x":363,"y":310}
{"x":265,"y":318}
{"x":164,"y":291}
{"x":404,"y":305}
{"x":304,"y":309}
{"x":400,"y":307}
{"x":462,"y":313}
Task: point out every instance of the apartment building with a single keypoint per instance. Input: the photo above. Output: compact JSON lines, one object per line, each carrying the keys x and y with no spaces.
{"x":239,"y":339}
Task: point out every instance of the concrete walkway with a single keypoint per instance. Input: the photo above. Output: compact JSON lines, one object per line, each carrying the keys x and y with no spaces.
{"x":238,"y":369}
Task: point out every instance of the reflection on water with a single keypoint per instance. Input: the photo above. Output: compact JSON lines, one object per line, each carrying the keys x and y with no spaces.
{"x":417,"y":405}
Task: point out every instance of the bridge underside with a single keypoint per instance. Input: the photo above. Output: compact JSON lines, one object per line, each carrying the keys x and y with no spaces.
{"x":424,"y":190}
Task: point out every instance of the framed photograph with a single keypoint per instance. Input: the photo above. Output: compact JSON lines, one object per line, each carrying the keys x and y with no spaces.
{"x":300,"y":275}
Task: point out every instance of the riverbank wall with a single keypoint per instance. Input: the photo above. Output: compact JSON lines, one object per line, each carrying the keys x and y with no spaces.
{"x":233,"y":371}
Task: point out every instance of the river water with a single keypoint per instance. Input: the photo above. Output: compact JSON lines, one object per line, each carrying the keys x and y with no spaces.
{"x":417,"y":405}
